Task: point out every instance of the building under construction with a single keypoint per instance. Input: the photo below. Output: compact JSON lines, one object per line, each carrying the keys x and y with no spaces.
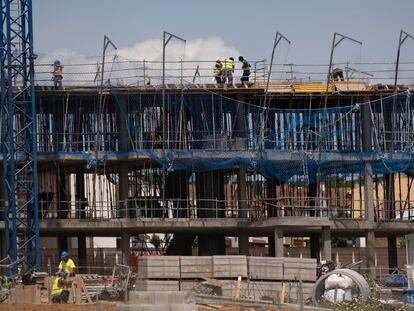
{"x":200,"y":162}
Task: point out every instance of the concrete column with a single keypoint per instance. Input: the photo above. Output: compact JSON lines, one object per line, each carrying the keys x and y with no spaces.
{"x":315,"y":248}
{"x":244,"y":243}
{"x":392,"y":253}
{"x":370,"y":254}
{"x":82,"y":256}
{"x":242,"y":192}
{"x":326,"y":243}
{"x":125,"y":247}
{"x":278,"y":238}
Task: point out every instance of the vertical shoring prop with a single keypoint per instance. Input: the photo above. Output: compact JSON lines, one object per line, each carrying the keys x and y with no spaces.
{"x":166,"y":37}
{"x":265,"y":114}
{"x":19,"y":138}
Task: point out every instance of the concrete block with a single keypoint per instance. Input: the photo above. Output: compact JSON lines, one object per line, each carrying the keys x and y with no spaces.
{"x":161,"y":297}
{"x":265,"y":268}
{"x":159,"y":267}
{"x":156,"y":285}
{"x":229,"y":266}
{"x":196,"y":267}
{"x":297,"y":274}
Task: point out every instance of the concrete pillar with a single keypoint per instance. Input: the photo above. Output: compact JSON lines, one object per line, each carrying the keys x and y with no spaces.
{"x":278,"y":238}
{"x":326,"y":243}
{"x":315,"y":248}
{"x":392,"y":253}
{"x":82,"y":256}
{"x":125,"y":247}
{"x":242,"y":192}
{"x":244,"y":243}
{"x":370,"y":254}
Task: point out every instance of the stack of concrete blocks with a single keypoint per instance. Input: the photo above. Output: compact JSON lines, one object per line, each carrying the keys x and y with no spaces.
{"x":158,"y":273}
{"x":159,"y":301}
{"x":261,"y":276}
{"x":193,"y":269}
{"x":267,"y":273}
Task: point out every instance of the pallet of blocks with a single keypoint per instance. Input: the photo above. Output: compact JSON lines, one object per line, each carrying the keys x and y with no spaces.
{"x":158,"y":273}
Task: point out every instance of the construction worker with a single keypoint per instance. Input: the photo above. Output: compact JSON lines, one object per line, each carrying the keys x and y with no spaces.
{"x":218,"y":71}
{"x":337,"y":74}
{"x":59,"y":294}
{"x":66,"y":264}
{"x":57,"y":74}
{"x":228,"y":70}
{"x":246,"y":70}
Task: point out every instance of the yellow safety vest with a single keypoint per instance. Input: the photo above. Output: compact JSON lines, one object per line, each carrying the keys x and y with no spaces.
{"x":56,"y":290}
{"x":217,"y":69}
{"x":228,"y":64}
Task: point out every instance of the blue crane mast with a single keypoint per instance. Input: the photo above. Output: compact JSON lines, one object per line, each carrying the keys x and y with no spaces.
{"x":18,"y":137}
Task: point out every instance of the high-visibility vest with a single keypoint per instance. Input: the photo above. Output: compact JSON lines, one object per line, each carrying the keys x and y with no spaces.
{"x":56,"y":289}
{"x":228,"y":64}
{"x":217,"y":69}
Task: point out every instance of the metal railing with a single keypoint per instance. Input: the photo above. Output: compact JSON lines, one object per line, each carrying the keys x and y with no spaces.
{"x":121,"y":72}
{"x":190,"y":208}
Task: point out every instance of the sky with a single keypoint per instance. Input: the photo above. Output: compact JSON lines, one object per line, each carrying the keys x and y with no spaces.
{"x":225,"y":28}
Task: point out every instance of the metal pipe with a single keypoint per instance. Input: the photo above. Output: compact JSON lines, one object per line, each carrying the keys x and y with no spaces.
{"x":334,"y":45}
{"x":165,"y":41}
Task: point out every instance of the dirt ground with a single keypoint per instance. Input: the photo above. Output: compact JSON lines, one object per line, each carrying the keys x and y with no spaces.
{"x":104,"y":306}
{"x":57,"y":307}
